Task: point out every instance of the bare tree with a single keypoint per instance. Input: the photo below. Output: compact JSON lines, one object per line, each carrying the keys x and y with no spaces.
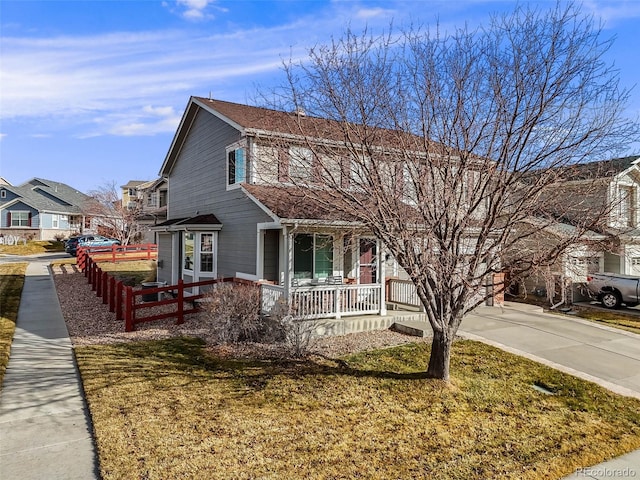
{"x":116,"y":220}
{"x":452,"y":146}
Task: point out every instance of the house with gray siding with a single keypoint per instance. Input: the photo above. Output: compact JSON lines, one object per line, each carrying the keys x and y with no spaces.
{"x":227,"y":216}
{"x":42,"y":209}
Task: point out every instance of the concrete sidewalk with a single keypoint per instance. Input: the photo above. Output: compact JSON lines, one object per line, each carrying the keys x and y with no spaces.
{"x":45,"y":430}
{"x":598,"y":353}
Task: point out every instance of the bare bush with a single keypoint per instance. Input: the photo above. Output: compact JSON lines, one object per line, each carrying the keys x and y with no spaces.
{"x":298,"y":334}
{"x":233,"y":312}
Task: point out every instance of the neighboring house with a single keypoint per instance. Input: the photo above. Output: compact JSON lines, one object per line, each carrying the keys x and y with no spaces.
{"x":231,"y":214}
{"x":130,"y":198}
{"x":42,"y":209}
{"x":149,"y":200}
{"x":615,"y":247}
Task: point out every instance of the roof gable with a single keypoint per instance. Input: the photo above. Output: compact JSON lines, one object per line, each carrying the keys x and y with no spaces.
{"x":47,"y":195}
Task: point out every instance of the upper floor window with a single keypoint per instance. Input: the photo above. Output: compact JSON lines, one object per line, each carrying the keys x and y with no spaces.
{"x":300,"y":164}
{"x":236,"y":166}
{"x":3,"y":193}
{"x":628,"y":207}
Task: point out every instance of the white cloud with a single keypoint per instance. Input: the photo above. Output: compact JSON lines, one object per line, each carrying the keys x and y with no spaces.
{"x":369,"y":13}
{"x":195,"y":9}
{"x":612,"y":11}
{"x":2,"y":135}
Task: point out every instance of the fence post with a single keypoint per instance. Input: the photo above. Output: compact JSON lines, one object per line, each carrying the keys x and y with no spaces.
{"x":87,"y":265}
{"x":337,"y":302}
{"x":92,"y":275}
{"x":113,"y":253}
{"x":148,"y":246}
{"x":98,"y":280}
{"x":119,"y":293}
{"x":81,"y":261}
{"x":105,"y":287}
{"x":129,"y":323}
{"x":180,"y":319}
{"x":112,"y":294}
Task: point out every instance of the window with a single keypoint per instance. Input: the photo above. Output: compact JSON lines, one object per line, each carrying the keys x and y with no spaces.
{"x":188,"y":250}
{"x":300,"y":164}
{"x":628,"y":206}
{"x":20,"y":219}
{"x":312,"y":256}
{"x":3,"y":193}
{"x":206,"y":252}
{"x":236,"y":166}
{"x":55,"y":221}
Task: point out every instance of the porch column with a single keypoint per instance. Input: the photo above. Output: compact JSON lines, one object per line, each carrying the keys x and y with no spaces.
{"x":260,"y":254}
{"x":287,"y":260}
{"x":381,"y":277}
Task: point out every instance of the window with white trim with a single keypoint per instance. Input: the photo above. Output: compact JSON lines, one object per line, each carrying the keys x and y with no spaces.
{"x":206,"y":252}
{"x":300,"y":164}
{"x":55,"y":221}
{"x":628,"y":206}
{"x":312,"y":256}
{"x":3,"y":193}
{"x":19,"y":219}
{"x":189,"y":243}
{"x":236,"y":166}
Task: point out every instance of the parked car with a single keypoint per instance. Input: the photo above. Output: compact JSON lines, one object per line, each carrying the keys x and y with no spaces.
{"x":71,"y":245}
{"x":613,"y":289}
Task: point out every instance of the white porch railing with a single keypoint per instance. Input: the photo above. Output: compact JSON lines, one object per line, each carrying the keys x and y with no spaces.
{"x":326,"y":301}
{"x":403,"y":292}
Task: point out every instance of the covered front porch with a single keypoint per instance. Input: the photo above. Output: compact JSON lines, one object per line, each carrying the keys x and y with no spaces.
{"x":320,"y":270}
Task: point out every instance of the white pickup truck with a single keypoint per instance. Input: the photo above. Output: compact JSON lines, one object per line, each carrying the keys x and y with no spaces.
{"x":614,"y":289}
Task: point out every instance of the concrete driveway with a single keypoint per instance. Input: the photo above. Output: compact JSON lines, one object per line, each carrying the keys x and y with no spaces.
{"x":605,"y":355}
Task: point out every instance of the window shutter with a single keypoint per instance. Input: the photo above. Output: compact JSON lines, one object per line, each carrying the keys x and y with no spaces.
{"x":283,"y":165}
{"x":232,"y":167}
{"x":8,"y":219}
{"x":29,"y":220}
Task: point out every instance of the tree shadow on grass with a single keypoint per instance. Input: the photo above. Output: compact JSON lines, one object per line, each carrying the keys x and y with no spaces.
{"x":186,"y":360}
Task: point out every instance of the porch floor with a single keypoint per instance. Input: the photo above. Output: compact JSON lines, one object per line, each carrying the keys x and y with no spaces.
{"x":367,"y":323}
{"x":403,"y":321}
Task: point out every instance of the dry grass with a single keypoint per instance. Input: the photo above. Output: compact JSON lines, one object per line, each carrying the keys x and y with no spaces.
{"x":11,"y":283}
{"x":135,"y":271}
{"x":32,"y":248}
{"x":171,"y":409}
{"x":617,"y":319}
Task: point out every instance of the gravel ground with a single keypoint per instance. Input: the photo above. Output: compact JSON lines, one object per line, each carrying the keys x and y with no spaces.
{"x":90,"y":322}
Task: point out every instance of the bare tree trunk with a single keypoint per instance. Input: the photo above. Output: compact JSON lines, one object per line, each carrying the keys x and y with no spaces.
{"x":440,"y":355}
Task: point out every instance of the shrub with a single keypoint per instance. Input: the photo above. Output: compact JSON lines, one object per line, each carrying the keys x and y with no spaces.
{"x":233,"y":312}
{"x":298,"y":334}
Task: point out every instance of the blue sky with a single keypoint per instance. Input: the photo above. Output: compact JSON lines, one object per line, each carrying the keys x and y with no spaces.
{"x":91,"y":92}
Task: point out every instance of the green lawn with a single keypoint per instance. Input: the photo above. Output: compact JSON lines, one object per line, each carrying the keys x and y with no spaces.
{"x":11,"y":283}
{"x":169,"y":409}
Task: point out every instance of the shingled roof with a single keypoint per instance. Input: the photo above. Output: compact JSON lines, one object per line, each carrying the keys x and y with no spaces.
{"x":49,"y":196}
{"x":602,"y":169}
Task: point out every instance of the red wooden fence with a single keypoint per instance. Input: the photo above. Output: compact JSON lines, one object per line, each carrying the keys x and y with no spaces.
{"x":116,"y":253}
{"x":127,"y":303}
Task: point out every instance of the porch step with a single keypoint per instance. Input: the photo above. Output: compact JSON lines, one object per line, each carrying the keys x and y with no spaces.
{"x":414,"y":327}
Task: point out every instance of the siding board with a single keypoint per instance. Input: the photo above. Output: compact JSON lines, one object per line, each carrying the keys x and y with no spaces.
{"x":197,"y":186}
